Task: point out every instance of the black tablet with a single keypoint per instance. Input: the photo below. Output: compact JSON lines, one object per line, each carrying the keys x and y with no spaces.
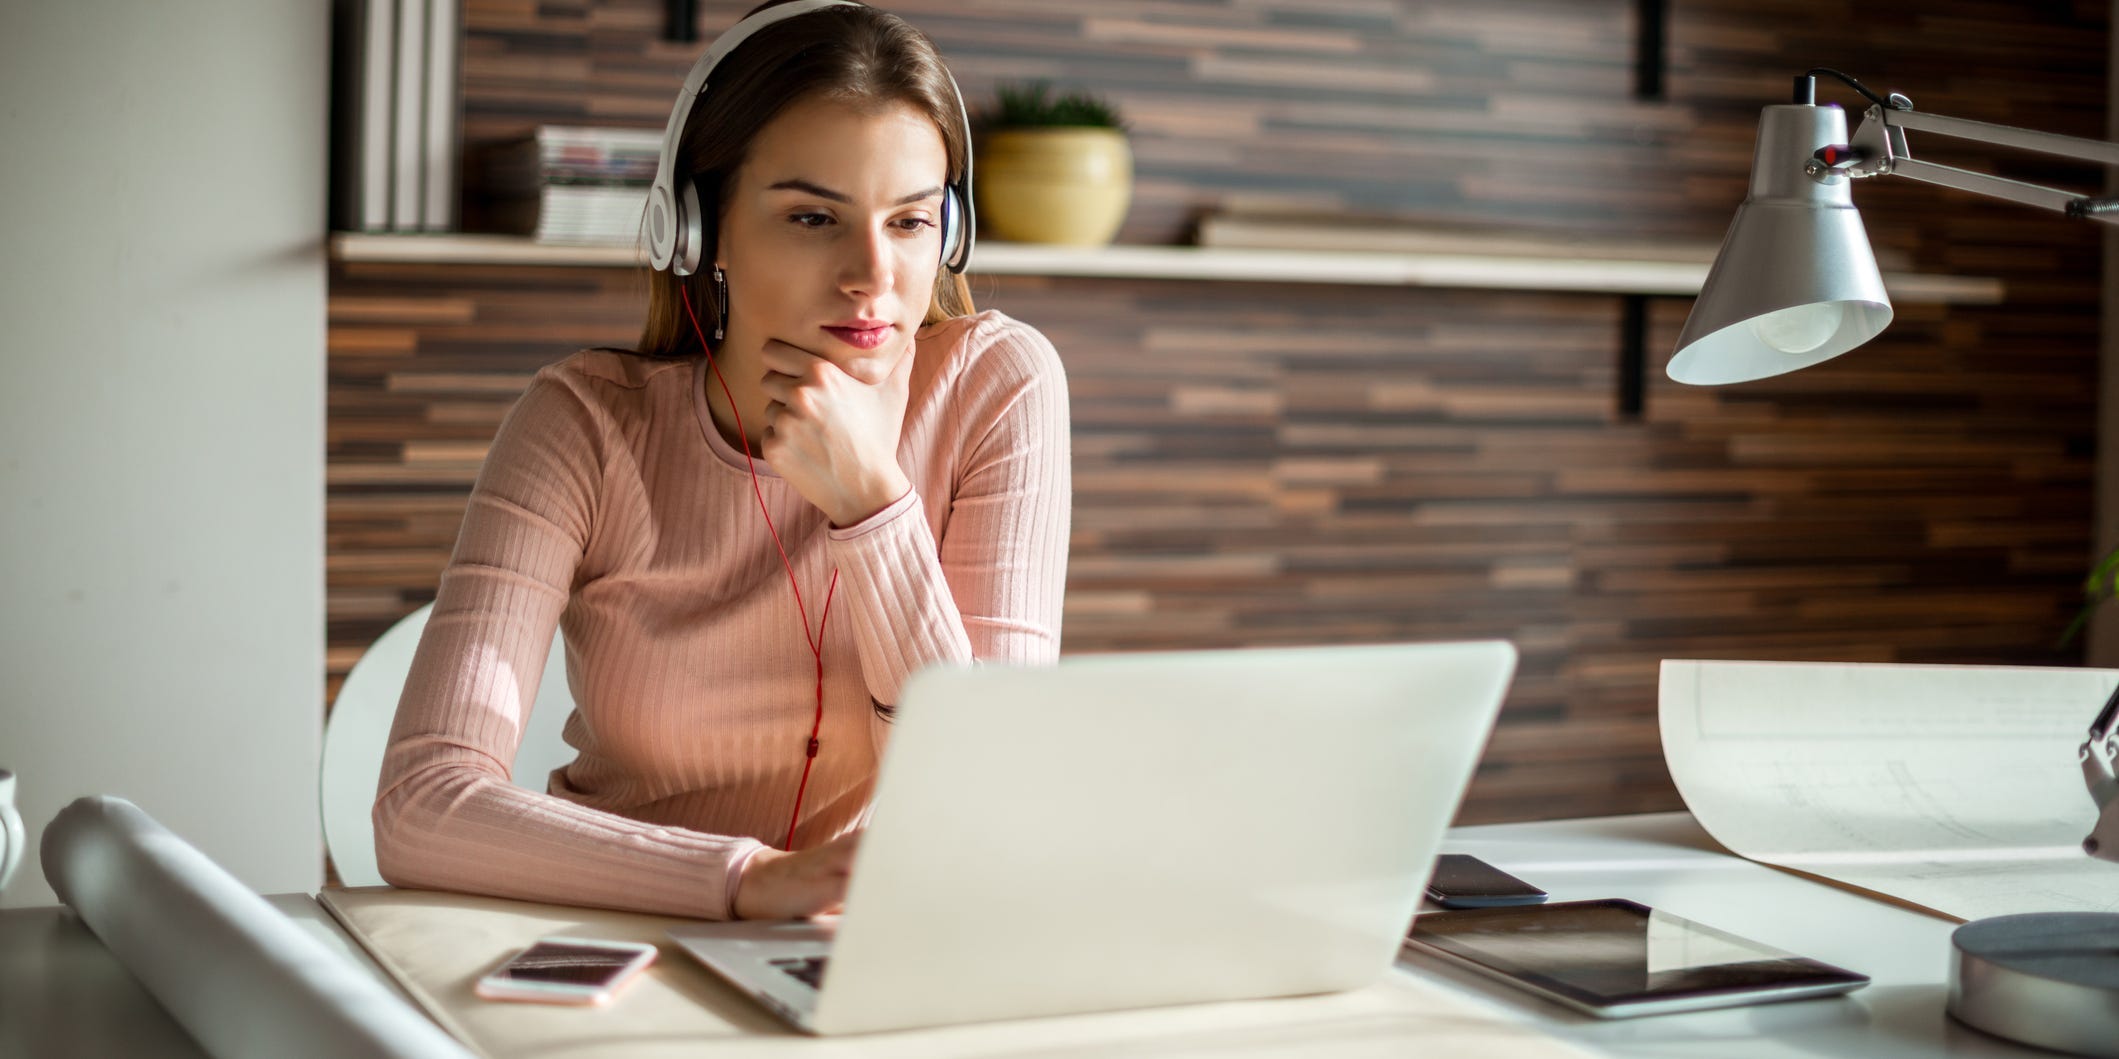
{"x":1615,"y":958}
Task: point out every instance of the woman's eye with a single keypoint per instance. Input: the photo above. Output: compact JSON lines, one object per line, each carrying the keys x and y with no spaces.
{"x":914,"y":224}
{"x":811,"y":220}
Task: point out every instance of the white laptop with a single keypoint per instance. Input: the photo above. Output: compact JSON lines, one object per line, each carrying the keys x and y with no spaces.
{"x":1124,"y":831}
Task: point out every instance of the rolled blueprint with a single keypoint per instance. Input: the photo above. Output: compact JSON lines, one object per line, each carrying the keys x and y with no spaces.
{"x":242,"y":978}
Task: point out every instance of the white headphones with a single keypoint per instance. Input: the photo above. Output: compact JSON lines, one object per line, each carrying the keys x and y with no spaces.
{"x":675,"y":221}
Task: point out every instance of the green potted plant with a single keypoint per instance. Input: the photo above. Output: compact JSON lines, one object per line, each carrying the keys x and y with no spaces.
{"x":1053,"y":169}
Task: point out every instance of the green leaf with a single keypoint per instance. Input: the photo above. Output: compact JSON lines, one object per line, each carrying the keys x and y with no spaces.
{"x":2105,"y":572}
{"x":2102,"y":584}
{"x":2082,"y":619}
{"x":1031,"y":105}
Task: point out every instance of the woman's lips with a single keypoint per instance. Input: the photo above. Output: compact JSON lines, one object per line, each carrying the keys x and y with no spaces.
{"x":861,"y":337}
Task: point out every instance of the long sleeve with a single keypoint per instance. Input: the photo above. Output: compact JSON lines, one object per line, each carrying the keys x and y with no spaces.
{"x":991,"y":588}
{"x":446,"y":815}
{"x":611,"y":506}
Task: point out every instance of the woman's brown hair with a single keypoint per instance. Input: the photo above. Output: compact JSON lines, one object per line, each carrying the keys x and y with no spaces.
{"x":853,"y":54}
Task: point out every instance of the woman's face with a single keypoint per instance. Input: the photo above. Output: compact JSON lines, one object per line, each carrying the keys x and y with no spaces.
{"x":832,"y":235}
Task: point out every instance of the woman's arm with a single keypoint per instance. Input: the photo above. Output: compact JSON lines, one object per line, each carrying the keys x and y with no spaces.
{"x":991,"y":589}
{"x":446,"y":815}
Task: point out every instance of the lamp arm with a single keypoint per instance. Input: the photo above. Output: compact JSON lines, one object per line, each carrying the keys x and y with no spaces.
{"x":2079,"y":148}
{"x":1880,"y":147}
{"x":2100,"y":755}
{"x":2059,"y":200}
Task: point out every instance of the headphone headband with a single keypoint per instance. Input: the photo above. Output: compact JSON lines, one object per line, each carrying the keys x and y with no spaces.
{"x":675,"y":221}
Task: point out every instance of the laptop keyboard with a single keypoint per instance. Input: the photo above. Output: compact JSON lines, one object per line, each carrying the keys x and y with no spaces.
{"x":808,"y":970}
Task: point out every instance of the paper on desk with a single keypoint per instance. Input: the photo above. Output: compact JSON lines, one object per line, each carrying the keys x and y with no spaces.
{"x":236,"y":973}
{"x":1956,"y":788}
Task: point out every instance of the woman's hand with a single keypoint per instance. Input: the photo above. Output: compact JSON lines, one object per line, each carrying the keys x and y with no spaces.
{"x":832,"y":434}
{"x":777,"y":884}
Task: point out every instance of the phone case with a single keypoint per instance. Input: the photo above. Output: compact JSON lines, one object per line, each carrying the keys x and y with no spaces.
{"x":495,"y":985}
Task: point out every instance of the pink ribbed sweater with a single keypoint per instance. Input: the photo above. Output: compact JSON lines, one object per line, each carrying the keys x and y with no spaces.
{"x":610,"y":505}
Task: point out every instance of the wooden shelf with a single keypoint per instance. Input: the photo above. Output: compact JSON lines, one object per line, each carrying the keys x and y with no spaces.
{"x":1586,"y":273}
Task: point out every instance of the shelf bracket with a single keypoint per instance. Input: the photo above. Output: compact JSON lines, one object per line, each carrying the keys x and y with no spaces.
{"x":680,"y":21}
{"x":1651,"y":53}
{"x":1633,"y":357}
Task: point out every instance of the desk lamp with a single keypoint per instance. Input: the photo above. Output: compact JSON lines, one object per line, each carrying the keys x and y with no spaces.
{"x":1796,"y":284}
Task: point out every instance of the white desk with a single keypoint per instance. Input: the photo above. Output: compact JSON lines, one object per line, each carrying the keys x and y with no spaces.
{"x":61,"y":994}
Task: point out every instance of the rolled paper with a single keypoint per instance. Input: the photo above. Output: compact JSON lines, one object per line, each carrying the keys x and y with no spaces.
{"x":239,"y":976}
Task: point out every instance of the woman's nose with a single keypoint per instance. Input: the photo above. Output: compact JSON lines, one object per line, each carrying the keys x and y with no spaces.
{"x":867,"y":268}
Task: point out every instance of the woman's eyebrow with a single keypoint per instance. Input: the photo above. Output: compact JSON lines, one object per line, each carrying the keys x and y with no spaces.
{"x":827,"y":193}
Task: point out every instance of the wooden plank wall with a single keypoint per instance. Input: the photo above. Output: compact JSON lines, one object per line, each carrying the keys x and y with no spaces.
{"x":1267,"y":463}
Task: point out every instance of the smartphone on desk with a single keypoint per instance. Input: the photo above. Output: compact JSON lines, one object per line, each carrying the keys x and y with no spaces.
{"x":567,"y":971}
{"x":1462,"y":881}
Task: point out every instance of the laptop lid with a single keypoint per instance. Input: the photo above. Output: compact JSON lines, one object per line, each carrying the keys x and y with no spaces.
{"x":1124,"y":831}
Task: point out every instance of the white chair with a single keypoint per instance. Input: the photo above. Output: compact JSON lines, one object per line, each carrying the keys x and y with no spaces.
{"x":360,"y":727}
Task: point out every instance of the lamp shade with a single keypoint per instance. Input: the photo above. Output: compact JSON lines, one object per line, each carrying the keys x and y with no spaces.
{"x":1795,"y":282}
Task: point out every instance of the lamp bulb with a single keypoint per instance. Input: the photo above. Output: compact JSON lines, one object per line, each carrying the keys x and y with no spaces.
{"x":1799,"y":328}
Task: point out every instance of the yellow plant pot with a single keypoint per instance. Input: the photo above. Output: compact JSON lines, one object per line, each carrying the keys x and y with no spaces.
{"x":1069,"y":186}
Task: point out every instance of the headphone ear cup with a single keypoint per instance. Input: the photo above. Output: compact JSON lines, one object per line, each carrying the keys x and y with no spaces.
{"x":659,"y":213}
{"x":952,"y":225}
{"x":948,"y":225}
{"x":690,"y":238}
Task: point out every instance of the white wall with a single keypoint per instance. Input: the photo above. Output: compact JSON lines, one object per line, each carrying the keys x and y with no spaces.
{"x":161,"y":419}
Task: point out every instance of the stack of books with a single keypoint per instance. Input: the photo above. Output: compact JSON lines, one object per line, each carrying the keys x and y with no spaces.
{"x":394,"y":114}
{"x":573,"y":184}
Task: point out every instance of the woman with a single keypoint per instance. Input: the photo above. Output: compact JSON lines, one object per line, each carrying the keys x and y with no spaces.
{"x":749,"y":540}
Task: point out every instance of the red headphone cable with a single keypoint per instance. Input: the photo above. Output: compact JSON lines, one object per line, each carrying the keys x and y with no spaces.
{"x":816,"y":643}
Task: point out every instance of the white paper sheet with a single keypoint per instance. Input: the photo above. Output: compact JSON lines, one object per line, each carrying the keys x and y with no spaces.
{"x":1956,"y":788}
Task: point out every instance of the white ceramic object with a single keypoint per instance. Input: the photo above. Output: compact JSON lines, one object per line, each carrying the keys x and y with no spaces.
{"x":14,"y":841}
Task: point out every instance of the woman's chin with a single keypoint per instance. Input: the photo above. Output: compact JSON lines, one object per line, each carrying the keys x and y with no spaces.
{"x":869,"y":365}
